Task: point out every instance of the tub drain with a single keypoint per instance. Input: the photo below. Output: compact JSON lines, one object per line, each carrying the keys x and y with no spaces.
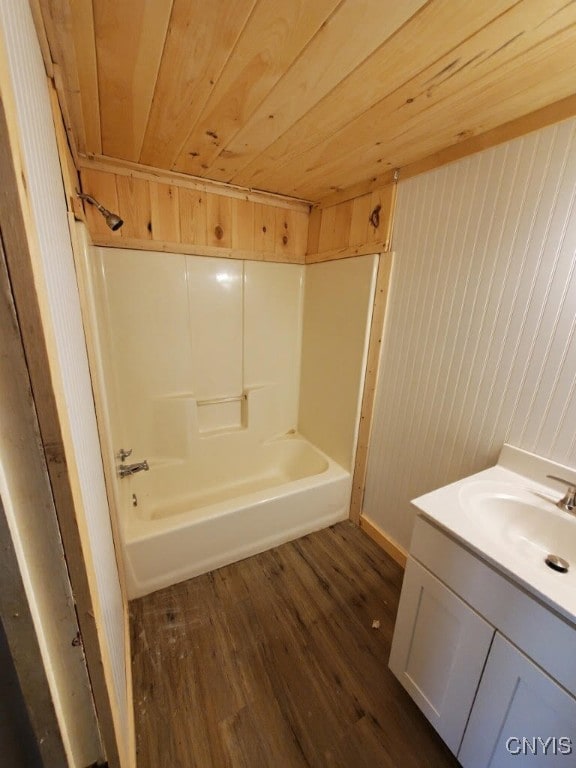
{"x":557,"y":563}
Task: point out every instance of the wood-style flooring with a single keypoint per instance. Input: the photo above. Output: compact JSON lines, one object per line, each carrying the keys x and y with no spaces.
{"x":279,"y":661}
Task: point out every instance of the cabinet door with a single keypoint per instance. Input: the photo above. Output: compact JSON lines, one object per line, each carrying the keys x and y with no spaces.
{"x":520,"y":716}
{"x":439,"y":649}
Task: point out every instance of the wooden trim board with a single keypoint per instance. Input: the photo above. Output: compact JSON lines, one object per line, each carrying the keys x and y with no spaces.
{"x":370,"y":382}
{"x":391,"y":547}
{"x":194,"y":250}
{"x":42,"y":36}
{"x":107,"y":450}
{"x":71,"y":185}
{"x":21,"y":244}
{"x":347,"y":252}
{"x":75,"y":209}
{"x":74,"y":204}
{"x":148,"y":173}
{"x":67,"y":164}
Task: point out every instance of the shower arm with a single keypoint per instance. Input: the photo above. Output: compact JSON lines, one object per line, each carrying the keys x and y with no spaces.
{"x":113,"y":221}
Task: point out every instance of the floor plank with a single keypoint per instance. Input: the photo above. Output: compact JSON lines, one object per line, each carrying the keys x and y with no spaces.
{"x":274,"y":662}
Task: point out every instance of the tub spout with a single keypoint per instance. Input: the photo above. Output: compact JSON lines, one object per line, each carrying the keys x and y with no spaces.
{"x":124,"y":470}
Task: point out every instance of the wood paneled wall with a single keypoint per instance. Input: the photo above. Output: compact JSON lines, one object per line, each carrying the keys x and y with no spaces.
{"x":174,"y":215}
{"x":352,"y":227}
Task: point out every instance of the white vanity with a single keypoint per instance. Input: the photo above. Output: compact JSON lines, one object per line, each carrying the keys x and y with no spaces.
{"x":485,"y":638}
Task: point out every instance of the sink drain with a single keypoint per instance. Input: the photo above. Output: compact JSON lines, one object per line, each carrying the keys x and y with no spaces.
{"x":557,"y":563}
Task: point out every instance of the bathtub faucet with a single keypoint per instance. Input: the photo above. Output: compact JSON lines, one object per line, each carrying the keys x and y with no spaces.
{"x":124,"y":470}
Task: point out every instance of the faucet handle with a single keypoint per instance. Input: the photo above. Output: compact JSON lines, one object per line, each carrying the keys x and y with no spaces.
{"x":568,"y":502}
{"x":123,"y":454}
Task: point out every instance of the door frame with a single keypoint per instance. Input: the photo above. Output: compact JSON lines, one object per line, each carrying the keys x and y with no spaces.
{"x":20,"y":241}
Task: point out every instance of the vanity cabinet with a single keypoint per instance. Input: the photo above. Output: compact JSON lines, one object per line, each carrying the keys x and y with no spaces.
{"x":439,"y":650}
{"x":519,"y":714}
{"x":491,"y":667}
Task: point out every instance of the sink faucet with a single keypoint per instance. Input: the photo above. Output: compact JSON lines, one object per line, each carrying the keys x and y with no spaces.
{"x":124,"y":470}
{"x":568,"y":502}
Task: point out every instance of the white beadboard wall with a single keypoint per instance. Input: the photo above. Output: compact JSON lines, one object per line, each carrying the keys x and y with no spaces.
{"x":480,"y":344}
{"x":56,"y":274}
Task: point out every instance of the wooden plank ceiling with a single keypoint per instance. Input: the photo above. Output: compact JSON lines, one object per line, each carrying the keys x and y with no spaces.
{"x":297,"y":97}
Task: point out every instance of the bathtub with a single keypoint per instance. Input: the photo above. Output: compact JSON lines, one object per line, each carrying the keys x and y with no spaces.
{"x":185,"y":518}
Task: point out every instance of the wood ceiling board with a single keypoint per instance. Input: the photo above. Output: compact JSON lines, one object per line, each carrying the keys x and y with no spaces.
{"x":59,"y":21}
{"x":487,"y":56}
{"x":270,"y":42}
{"x":430,"y":149}
{"x":199,"y":42}
{"x":338,"y":91}
{"x":82,"y":25}
{"x":40,"y":27}
{"x":551,"y":114}
{"x":480,"y":109}
{"x":536,"y":83}
{"x":357,"y":28}
{"x":561,"y":110}
{"x":541,"y":118}
{"x":130,"y":39}
{"x":443,"y":27}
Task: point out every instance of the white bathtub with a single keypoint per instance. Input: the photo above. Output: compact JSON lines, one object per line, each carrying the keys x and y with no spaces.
{"x":192,"y":517}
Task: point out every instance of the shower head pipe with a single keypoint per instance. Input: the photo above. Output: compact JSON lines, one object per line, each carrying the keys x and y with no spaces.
{"x":112,"y":219}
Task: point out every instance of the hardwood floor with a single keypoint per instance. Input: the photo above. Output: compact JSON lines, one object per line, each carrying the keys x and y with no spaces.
{"x":279,"y":661}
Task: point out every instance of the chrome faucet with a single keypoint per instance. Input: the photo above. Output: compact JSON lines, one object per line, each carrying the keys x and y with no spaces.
{"x":568,"y":502}
{"x":124,"y":470}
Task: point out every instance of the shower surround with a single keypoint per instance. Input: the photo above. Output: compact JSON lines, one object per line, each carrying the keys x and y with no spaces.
{"x":201,"y":363}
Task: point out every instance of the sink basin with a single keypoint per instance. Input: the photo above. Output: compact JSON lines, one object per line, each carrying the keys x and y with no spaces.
{"x":507,"y":516}
{"x":525,"y":522}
